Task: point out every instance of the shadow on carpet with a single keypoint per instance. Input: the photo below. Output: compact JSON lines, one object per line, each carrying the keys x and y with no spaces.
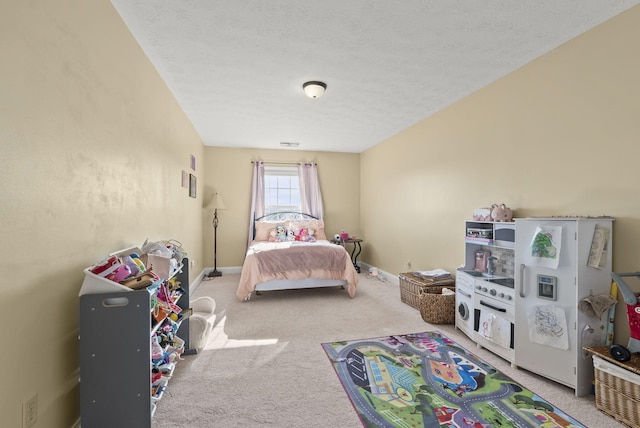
{"x":428,"y":380}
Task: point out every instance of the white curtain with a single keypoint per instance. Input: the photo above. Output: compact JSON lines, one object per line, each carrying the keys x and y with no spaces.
{"x":257,"y":197}
{"x":310,"y":196}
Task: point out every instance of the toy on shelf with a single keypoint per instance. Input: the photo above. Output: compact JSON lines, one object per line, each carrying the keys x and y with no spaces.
{"x":501,"y":213}
{"x":619,"y":352}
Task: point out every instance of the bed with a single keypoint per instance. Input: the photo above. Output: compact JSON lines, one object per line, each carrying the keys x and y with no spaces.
{"x":303,"y":258}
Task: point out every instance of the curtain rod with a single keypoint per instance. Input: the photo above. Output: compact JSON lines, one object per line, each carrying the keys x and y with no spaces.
{"x":283,"y":163}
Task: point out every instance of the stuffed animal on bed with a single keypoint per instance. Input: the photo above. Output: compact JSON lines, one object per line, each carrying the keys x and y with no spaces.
{"x":282,"y":234}
{"x":310,"y":237}
{"x":273,"y":236}
{"x":302,"y":235}
{"x":291,"y":235}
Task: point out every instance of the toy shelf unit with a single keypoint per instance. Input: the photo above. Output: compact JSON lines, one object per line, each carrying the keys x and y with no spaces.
{"x":500,"y":234}
{"x":121,"y":377}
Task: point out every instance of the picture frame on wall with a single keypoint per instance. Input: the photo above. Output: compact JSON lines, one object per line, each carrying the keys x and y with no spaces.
{"x":192,"y":185}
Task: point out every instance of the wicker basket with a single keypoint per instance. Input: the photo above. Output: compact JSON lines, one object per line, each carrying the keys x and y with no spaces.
{"x":411,"y":288}
{"x":617,"y":392}
{"x":438,"y":308}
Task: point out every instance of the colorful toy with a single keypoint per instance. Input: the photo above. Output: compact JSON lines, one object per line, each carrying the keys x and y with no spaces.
{"x":482,"y":214}
{"x":303,"y":235}
{"x":282,"y":234}
{"x":501,"y":213}
{"x":311,"y":237}
{"x":157,"y":353}
{"x":291,"y":236}
{"x":631,"y":298}
{"x":107,"y":267}
{"x":135,"y":267}
{"x":123,"y":272}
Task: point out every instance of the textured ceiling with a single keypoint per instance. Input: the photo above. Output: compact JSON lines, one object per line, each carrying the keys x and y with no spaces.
{"x":237,"y":66}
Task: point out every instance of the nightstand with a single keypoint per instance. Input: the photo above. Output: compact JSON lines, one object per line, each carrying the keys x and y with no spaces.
{"x":357,"y":249}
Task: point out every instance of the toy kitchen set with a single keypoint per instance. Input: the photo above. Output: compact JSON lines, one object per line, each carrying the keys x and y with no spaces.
{"x":485,"y":286}
{"x":521,"y":276}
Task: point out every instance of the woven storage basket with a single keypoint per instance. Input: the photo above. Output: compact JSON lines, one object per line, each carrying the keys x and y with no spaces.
{"x":411,"y":288}
{"x":438,"y":308}
{"x":617,"y":392}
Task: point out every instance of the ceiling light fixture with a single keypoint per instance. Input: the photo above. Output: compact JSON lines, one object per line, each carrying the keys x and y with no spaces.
{"x":314,"y":89}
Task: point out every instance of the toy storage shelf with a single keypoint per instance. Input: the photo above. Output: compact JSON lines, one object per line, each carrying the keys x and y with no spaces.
{"x":115,"y":355}
{"x":480,"y":234}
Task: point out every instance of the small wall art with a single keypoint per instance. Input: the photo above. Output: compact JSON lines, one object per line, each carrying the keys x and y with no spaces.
{"x":192,"y":185}
{"x":185,"y":179}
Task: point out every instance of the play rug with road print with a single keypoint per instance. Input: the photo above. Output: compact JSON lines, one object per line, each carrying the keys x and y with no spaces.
{"x":428,"y":380}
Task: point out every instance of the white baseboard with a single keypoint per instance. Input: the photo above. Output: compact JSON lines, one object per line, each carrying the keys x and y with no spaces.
{"x":196,"y":283}
{"x":226,"y":270}
{"x":386,"y":276}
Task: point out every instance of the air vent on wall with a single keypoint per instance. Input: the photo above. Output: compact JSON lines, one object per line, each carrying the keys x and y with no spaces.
{"x":288,"y":144}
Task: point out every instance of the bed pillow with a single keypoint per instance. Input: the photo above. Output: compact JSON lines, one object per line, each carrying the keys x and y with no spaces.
{"x":264,"y":227}
{"x":316,"y":225}
{"x":319,"y":230}
{"x":262,"y":230}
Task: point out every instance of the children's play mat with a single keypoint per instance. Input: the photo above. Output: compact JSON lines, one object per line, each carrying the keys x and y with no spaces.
{"x":428,"y":380}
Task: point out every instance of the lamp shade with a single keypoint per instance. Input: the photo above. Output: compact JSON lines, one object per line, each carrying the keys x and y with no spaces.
{"x":314,"y":89}
{"x":216,"y":203}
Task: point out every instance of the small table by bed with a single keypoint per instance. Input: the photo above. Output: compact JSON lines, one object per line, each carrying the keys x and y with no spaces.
{"x":356,"y":247}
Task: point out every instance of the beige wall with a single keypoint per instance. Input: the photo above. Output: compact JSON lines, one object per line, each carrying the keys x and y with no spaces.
{"x":229,"y":173}
{"x":557,"y":137}
{"x":92,"y":145}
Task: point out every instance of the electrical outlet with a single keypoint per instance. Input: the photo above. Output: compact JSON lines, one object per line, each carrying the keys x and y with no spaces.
{"x":30,"y":412}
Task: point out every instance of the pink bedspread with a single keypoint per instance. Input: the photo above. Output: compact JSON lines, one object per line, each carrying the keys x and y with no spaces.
{"x":266,"y":261}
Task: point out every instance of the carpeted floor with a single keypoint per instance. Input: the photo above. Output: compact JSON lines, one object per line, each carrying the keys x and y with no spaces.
{"x":264,"y":364}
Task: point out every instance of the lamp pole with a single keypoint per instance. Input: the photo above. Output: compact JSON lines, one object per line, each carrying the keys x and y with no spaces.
{"x":215,"y":204}
{"x":215,"y":272}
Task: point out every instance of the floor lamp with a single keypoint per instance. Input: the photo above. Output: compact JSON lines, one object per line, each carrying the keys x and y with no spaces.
{"x":216,"y":204}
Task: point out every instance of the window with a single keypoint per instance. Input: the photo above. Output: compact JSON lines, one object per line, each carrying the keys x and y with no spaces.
{"x":281,"y":189}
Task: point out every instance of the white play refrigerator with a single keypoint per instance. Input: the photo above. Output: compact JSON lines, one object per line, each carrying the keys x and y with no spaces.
{"x":559,"y":262}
